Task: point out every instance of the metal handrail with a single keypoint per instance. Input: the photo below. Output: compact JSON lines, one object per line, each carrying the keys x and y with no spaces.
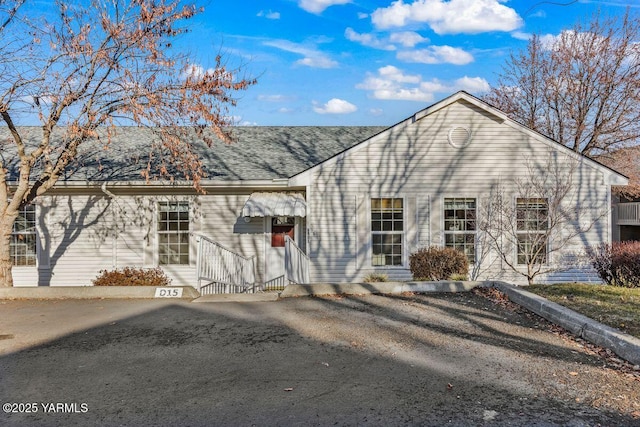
{"x":296,"y":263}
{"x":223,"y":269}
{"x":629,"y":214}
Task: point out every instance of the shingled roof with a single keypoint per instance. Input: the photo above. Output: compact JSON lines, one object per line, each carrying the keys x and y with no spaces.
{"x":258,"y":153}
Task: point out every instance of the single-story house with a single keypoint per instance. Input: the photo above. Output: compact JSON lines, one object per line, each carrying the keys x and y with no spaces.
{"x":342,"y":202}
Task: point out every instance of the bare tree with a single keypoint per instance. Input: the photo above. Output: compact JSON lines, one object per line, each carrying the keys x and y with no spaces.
{"x":580,"y":88}
{"x":529,"y":219}
{"x":627,"y":161}
{"x":89,"y":67}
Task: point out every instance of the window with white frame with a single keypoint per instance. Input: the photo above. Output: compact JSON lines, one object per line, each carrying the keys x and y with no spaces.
{"x":173,"y":233}
{"x":532,"y":223}
{"x":460,"y":225}
{"x":23,"y":237}
{"x":387,"y":231}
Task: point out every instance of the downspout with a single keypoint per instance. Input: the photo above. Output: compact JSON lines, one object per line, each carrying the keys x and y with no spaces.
{"x":114,"y":237}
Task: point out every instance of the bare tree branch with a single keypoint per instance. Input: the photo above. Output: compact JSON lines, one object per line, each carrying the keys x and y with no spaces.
{"x":581,"y":89}
{"x":94,"y":65}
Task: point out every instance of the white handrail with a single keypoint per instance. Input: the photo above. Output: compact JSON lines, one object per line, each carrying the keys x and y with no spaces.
{"x":629,"y":214}
{"x":223,"y":270}
{"x":296,"y":263}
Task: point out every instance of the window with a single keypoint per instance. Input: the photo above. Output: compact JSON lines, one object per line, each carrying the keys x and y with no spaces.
{"x":387,"y":229}
{"x":532,"y":222}
{"x":460,"y":226}
{"x":173,"y":233}
{"x":23,"y":237}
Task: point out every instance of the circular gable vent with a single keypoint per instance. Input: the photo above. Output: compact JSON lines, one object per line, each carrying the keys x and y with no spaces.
{"x":459,"y":137}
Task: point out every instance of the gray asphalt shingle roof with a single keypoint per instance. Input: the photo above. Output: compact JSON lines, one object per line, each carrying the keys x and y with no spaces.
{"x":258,"y":153}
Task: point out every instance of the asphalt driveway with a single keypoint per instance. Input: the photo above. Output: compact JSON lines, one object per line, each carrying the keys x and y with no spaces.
{"x":444,"y":359}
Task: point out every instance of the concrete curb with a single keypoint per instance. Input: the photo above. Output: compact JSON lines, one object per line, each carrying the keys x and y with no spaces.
{"x":624,"y":345}
{"x":95,"y":292}
{"x":375,"y":288}
{"x":259,"y":297}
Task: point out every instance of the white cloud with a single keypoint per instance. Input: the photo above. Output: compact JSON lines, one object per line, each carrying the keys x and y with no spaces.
{"x":404,"y":94}
{"x":449,"y":17}
{"x":196,"y":71}
{"x":434,"y":86}
{"x":317,"y":62}
{"x":369,"y":40}
{"x":376,"y":112}
{"x":275,"y":98}
{"x":396,"y":75}
{"x":539,"y":14}
{"x":269,"y":14}
{"x":472,"y":84}
{"x":437,"y":55}
{"x":312,"y":57}
{"x":407,"y":38}
{"x":521,"y":35}
{"x":362,"y":15}
{"x":404,"y":38}
{"x":336,"y":106}
{"x":318,"y":6}
{"x":548,"y":40}
{"x":391,"y":83}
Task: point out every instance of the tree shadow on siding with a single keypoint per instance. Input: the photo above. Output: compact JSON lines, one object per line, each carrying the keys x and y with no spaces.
{"x":412,"y":160}
{"x":67,"y":229}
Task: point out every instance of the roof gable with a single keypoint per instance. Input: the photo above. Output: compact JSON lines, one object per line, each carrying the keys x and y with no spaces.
{"x":615,"y":178}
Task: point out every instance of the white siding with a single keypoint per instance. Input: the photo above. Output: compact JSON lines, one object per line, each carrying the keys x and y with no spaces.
{"x":222,"y":221}
{"x":82,"y":234}
{"x":417,"y":162}
{"x":77,"y":239}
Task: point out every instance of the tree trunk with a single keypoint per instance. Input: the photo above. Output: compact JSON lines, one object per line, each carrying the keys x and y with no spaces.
{"x":6,"y":227}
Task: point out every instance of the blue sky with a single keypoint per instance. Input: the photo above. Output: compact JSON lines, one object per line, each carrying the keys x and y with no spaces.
{"x":365,"y":62}
{"x":368,"y":62}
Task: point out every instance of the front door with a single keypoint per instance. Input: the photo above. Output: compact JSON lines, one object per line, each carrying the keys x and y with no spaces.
{"x":276,"y":230}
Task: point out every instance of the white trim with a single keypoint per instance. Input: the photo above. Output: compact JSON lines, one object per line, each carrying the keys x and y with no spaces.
{"x":37,"y":242}
{"x":458,"y":145}
{"x":190,"y":200}
{"x":548,"y":240}
{"x":304,"y":177}
{"x":405,"y":257}
{"x":475,"y":232}
{"x":178,"y":185}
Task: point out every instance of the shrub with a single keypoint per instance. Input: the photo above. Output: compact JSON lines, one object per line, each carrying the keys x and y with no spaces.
{"x":132,"y":277}
{"x":459,"y":277}
{"x":438,"y":263}
{"x":617,"y":264}
{"x":375,"y":277}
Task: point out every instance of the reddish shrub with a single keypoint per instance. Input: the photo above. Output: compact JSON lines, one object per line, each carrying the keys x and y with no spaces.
{"x":132,"y":277}
{"x":436,"y":263}
{"x":617,"y":264}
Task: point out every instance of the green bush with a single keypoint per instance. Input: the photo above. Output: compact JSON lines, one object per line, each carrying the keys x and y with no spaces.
{"x":617,"y":264}
{"x":375,"y":277}
{"x":436,"y":263}
{"x":128,"y":276}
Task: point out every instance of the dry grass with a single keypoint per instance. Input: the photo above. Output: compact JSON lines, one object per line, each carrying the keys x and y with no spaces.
{"x":614,"y":306}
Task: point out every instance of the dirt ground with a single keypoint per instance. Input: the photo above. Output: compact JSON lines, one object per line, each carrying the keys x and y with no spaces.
{"x":451,"y":359}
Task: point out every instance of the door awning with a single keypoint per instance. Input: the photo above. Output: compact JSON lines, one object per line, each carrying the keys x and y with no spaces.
{"x":275,"y":204}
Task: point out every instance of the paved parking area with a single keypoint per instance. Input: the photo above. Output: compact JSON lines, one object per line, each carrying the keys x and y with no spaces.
{"x":443,"y":359}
